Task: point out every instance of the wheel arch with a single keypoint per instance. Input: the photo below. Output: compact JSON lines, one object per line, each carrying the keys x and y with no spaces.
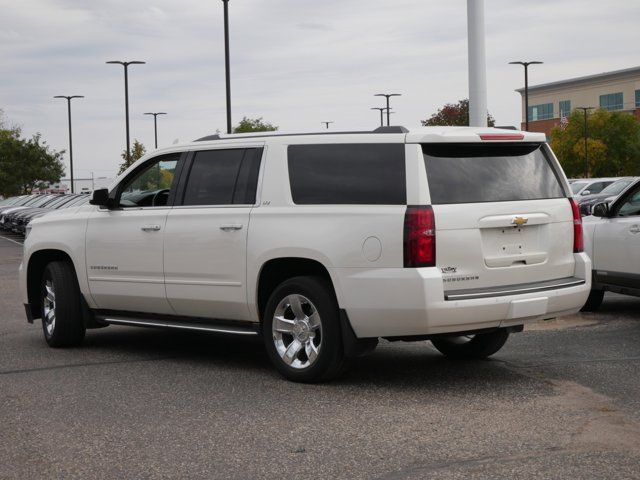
{"x":35,"y":268}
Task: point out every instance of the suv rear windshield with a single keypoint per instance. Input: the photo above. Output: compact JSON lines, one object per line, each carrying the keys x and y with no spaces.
{"x":471,"y":173}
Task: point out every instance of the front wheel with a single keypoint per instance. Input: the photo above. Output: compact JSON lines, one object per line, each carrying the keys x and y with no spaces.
{"x":480,"y":345}
{"x":61,"y":310}
{"x":301,"y":330}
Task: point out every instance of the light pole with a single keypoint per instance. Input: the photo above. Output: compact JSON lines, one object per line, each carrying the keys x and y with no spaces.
{"x":327,"y":124}
{"x":126,"y":95}
{"x":155,"y":124}
{"x":526,"y":88}
{"x":226,"y":62}
{"x":381,"y":109}
{"x":586,"y":154}
{"x":68,"y":98}
{"x":387,"y":95}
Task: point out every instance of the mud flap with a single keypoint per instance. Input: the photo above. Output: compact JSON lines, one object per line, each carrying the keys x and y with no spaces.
{"x":354,"y":346}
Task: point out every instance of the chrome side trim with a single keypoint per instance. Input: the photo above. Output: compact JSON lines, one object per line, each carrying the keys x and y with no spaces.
{"x":513,"y":290}
{"x":180,"y":326}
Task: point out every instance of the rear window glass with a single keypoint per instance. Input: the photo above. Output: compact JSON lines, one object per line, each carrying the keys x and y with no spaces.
{"x":349,"y":174}
{"x":471,"y":173}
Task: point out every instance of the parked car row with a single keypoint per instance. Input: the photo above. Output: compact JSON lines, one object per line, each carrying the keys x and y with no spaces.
{"x":589,"y":192}
{"x":17,"y":212}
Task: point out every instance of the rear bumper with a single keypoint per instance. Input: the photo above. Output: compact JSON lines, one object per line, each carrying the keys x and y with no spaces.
{"x":405,"y":302}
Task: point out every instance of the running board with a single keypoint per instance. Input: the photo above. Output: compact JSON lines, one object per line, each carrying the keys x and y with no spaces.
{"x":179,"y":325}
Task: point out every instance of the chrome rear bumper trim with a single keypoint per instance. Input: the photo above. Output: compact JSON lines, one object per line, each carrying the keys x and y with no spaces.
{"x":513,"y":289}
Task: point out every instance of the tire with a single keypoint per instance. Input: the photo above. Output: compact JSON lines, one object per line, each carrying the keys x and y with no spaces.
{"x":481,"y":345}
{"x":593,"y":301}
{"x":62,"y":321}
{"x":305,"y":346}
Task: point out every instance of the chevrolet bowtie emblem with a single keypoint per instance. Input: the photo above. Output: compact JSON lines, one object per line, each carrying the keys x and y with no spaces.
{"x":519,"y":221}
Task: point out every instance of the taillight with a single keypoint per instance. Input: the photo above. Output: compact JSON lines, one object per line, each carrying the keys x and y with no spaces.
{"x":419,"y":237}
{"x":578,"y":238}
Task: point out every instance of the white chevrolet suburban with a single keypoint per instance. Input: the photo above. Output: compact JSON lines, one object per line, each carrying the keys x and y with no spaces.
{"x":320,"y":244}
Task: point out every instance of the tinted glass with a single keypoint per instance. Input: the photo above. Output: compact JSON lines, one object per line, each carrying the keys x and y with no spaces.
{"x":471,"y":173}
{"x":247,"y":183}
{"x":616,"y":187}
{"x":632,"y":206}
{"x":577,"y":186}
{"x":368,"y":174}
{"x":213,"y":177}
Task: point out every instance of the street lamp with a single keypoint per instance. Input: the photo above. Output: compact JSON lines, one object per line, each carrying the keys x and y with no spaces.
{"x":387,"y":95}
{"x":126,"y":95}
{"x":327,"y":124}
{"x":586,"y":154}
{"x":226,"y":62}
{"x":155,"y":124}
{"x":382,"y":109}
{"x":68,"y":98}
{"x":526,"y":88}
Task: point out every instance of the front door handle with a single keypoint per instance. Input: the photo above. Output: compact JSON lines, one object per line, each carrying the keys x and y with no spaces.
{"x":229,"y":228}
{"x":634,"y":229}
{"x":150,"y":228}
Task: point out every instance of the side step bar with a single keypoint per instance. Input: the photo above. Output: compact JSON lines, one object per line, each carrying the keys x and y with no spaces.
{"x":180,"y":325}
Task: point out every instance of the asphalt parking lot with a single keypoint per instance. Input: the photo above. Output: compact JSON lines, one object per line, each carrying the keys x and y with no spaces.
{"x":560,"y":401}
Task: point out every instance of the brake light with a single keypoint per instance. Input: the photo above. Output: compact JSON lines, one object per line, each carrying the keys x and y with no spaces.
{"x":578,"y":237}
{"x":419,"y":237}
{"x":501,"y":136}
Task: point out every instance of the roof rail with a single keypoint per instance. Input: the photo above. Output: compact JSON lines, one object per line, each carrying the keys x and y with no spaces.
{"x":393,"y":129}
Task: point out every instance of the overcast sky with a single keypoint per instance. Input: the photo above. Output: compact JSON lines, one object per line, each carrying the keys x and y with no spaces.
{"x":293,"y":62}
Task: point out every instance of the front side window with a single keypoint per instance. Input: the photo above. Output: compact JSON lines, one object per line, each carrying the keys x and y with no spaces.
{"x":611,"y":101}
{"x":347,"y":174}
{"x":631,"y":207}
{"x":150,"y":186}
{"x":223,"y":177}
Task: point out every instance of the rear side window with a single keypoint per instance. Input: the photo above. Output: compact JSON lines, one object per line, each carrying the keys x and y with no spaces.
{"x":348,"y":174}
{"x":223,"y":177}
{"x":471,"y":173}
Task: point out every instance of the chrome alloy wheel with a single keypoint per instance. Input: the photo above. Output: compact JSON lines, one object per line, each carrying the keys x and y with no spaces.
{"x":49,"y":302}
{"x":297,"y":331}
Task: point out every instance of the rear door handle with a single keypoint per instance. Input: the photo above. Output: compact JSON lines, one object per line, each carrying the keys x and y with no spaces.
{"x":634,"y":229}
{"x":230,"y":228}
{"x":150,"y":228}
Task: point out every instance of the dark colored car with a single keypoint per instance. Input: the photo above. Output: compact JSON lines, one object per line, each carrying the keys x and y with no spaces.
{"x":22,"y":218}
{"x":587,"y":202}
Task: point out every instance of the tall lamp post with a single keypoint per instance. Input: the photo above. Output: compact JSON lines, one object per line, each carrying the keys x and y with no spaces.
{"x":388,"y":95}
{"x":586,"y":150}
{"x":526,"y":88}
{"x":155,"y":124}
{"x":126,"y":95}
{"x":381,"y":109}
{"x":68,"y":98}
{"x":327,"y":124}
{"x":226,"y":62}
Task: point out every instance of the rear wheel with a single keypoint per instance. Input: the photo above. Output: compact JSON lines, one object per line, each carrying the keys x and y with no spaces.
{"x":62,"y":322}
{"x":594,"y":301}
{"x":480,"y":345}
{"x":301,"y":330}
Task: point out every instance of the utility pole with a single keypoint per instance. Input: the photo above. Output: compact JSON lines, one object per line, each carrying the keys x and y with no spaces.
{"x":155,"y":124}
{"x":226,"y":62}
{"x":68,"y":98}
{"x":387,"y":96}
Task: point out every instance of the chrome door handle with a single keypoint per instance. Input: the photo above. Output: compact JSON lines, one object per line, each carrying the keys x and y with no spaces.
{"x":150,"y":228}
{"x":229,"y":228}
{"x":634,"y":229}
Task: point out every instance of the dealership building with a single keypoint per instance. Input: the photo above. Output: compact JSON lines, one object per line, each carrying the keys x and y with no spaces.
{"x":550,"y":102}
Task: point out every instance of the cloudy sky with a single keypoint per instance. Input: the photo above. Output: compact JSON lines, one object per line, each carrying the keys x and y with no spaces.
{"x":294,"y":62}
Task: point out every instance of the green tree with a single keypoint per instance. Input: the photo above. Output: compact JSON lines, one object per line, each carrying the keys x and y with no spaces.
{"x":137,"y":152}
{"x":613,"y":143}
{"x":25,"y":163}
{"x":253,"y":125}
{"x":453,"y":115}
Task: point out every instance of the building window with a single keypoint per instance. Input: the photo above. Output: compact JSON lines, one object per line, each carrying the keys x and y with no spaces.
{"x":637,"y":98}
{"x":541,"y":112}
{"x":565,"y":108}
{"x":611,"y":101}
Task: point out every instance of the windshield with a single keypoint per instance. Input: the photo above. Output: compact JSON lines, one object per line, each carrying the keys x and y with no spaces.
{"x":577,"y":186}
{"x":616,"y":187}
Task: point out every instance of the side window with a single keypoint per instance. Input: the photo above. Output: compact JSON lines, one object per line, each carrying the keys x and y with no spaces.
{"x":596,"y":187}
{"x":632,"y":206}
{"x":348,"y":174}
{"x":150,"y":186}
{"x":223,"y":177}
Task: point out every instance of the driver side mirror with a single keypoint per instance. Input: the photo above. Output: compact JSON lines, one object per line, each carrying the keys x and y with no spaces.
{"x":101,"y":198}
{"x":600,"y":210}
{"x":585,"y":192}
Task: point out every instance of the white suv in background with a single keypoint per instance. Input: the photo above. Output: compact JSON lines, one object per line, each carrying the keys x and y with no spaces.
{"x":320,"y":243}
